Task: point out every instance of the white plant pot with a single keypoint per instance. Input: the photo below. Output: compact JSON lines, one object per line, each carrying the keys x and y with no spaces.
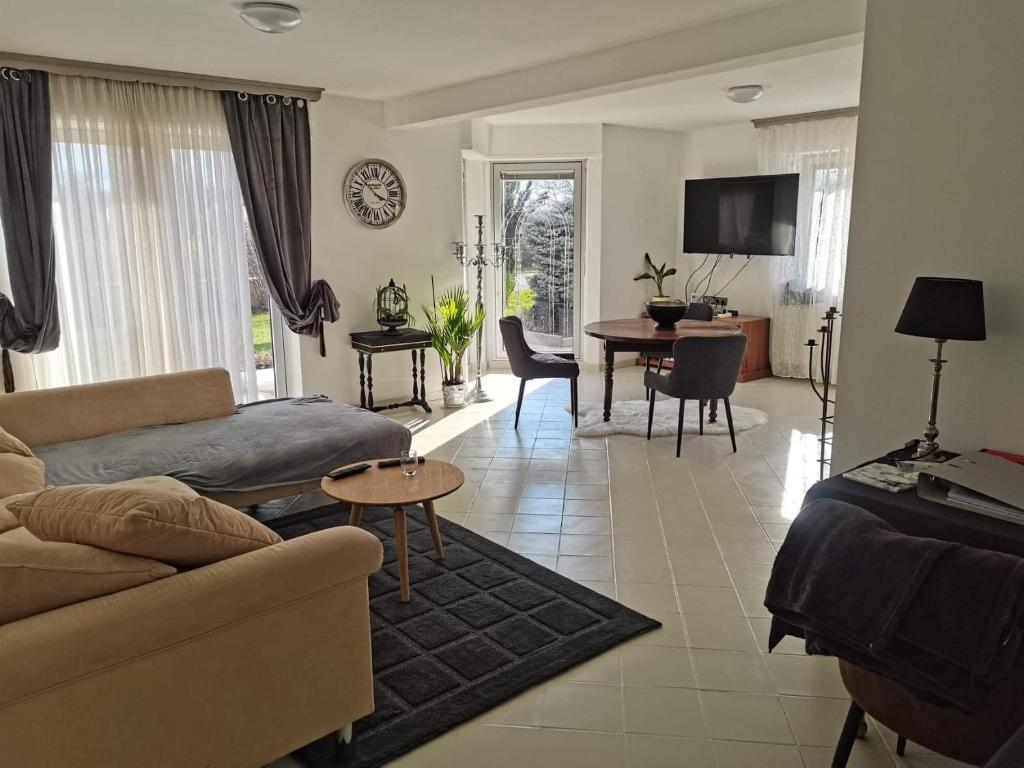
{"x":454,"y":395}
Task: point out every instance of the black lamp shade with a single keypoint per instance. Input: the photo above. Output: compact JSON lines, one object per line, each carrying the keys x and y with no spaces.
{"x":944,"y":308}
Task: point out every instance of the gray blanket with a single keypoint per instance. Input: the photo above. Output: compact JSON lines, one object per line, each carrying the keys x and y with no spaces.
{"x":260,"y":446}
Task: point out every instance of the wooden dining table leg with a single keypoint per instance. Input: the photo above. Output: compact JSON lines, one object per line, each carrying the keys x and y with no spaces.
{"x":402,"y":550}
{"x":712,"y":411}
{"x":435,"y":532}
{"x":609,"y":372}
{"x":355,"y":515}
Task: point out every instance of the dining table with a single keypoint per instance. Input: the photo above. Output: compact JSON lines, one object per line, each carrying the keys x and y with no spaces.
{"x":642,"y":335}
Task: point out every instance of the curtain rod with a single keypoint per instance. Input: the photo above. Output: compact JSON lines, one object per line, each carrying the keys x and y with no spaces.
{"x":156,"y":76}
{"x":804,"y":116}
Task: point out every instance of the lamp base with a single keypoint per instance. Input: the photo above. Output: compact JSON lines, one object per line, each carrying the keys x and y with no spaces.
{"x":924,"y":452}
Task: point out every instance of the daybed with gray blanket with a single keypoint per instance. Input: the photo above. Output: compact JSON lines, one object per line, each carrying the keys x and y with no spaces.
{"x":187,"y":426}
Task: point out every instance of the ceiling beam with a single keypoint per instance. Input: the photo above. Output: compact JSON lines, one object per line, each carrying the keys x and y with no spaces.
{"x":784,"y":30}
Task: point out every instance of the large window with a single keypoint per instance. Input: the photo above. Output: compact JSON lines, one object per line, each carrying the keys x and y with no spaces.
{"x":537,"y":215}
{"x":155,"y":272}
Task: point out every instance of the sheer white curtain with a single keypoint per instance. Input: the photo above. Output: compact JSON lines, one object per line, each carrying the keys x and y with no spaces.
{"x":149,"y":229}
{"x":804,"y":286}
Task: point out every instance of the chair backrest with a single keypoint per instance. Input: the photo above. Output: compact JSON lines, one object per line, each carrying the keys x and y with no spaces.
{"x":699,"y":312}
{"x":516,"y":348}
{"x":706,"y":367}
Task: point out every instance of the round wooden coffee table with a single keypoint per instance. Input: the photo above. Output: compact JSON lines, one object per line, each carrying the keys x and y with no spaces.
{"x":389,"y":487}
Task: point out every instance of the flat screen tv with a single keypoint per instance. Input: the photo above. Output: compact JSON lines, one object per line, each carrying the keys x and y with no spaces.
{"x":746,"y":215}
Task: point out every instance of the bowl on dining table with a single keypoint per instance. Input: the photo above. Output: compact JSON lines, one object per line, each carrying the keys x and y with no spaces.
{"x":667,"y":313}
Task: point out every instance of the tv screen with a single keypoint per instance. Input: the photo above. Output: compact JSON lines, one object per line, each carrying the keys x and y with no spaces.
{"x":745,"y":215}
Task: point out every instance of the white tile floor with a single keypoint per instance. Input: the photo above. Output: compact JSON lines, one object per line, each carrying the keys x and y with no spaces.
{"x":688,"y":541}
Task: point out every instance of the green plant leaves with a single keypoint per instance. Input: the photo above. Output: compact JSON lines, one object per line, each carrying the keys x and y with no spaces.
{"x":452,"y":327}
{"x":656,"y":273}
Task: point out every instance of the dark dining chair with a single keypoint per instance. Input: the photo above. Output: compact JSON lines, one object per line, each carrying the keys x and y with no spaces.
{"x":528,"y":364}
{"x":704,"y":312}
{"x":705,"y":368}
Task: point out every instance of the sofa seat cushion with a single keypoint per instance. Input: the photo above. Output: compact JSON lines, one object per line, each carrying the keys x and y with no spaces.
{"x":20,"y":470}
{"x":8,"y":522}
{"x":155,"y":517}
{"x":263,"y":445}
{"x":38,"y":576}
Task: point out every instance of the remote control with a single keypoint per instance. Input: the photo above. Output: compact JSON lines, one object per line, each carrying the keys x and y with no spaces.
{"x":337,"y":474}
{"x":385,"y":463}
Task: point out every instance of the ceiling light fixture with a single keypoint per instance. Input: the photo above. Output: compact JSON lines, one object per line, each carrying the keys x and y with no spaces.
{"x":744,"y":94}
{"x":274,"y":18}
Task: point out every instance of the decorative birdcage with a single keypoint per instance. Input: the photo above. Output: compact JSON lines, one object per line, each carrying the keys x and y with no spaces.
{"x":392,"y":307}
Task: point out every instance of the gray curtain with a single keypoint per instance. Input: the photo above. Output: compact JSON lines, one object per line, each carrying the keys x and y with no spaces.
{"x":270,"y":142}
{"x":28,"y":318}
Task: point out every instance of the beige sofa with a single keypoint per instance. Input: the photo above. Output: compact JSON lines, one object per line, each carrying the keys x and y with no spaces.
{"x":234,"y":664}
{"x":85,"y":415}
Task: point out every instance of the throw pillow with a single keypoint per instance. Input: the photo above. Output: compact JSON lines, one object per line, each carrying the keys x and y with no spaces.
{"x":20,"y":470}
{"x":8,"y":522}
{"x":38,"y":576}
{"x":154,"y":517}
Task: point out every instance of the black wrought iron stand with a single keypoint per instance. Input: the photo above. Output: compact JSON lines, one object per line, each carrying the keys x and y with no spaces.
{"x":827,"y":418}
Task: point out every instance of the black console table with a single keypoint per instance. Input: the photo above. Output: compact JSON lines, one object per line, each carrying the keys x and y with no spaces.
{"x":369,"y":343}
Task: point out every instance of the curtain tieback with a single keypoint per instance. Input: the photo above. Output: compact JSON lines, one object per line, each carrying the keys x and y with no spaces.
{"x":8,"y":372}
{"x":321,"y":306}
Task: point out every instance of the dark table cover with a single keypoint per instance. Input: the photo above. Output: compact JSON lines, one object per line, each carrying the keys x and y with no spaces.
{"x":914,"y":516}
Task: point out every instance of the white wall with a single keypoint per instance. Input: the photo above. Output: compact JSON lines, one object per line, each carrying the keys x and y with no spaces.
{"x":640,"y":212}
{"x":355,"y":259}
{"x":729,"y":150}
{"x":938,"y":192}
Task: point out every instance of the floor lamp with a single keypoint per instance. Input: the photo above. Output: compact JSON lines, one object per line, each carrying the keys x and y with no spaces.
{"x":480,"y":260}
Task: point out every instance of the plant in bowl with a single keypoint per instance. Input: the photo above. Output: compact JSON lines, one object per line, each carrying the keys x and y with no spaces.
{"x":658,"y":275}
{"x":452,"y":325}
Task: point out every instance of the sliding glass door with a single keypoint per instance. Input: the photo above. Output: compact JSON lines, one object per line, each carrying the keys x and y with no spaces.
{"x":538,"y":216}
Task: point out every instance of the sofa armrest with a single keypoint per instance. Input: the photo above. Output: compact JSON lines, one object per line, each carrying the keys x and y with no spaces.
{"x":61,"y":646}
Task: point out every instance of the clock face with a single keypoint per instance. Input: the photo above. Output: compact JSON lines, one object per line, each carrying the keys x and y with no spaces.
{"x":374,"y":193}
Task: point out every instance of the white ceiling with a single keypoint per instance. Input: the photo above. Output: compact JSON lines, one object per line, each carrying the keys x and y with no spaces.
{"x":829,"y":80}
{"x":371,"y":49}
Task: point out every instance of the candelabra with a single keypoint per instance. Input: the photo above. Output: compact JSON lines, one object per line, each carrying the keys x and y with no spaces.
{"x":825,"y":368}
{"x":502,"y":254}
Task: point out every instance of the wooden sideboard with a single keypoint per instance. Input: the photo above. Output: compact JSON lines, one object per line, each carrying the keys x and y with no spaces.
{"x":757,"y":362}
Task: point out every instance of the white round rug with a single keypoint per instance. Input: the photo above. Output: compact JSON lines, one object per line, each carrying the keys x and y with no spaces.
{"x":629,"y":417}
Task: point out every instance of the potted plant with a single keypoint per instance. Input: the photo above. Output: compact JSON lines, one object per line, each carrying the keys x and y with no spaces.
{"x":452,"y":325}
{"x":658,"y":275}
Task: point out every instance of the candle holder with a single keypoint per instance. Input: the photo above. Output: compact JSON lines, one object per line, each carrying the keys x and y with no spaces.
{"x":827,"y":417}
{"x":502,"y":254}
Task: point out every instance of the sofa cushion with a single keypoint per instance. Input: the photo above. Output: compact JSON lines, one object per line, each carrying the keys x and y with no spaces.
{"x":154,"y":517}
{"x":265,"y":444}
{"x":38,"y":576}
{"x":20,"y":470}
{"x":8,"y":522}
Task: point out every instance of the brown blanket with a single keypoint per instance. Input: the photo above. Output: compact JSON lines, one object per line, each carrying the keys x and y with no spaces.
{"x":938,"y":617}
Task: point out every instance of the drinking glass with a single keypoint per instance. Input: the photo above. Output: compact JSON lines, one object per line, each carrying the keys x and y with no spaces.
{"x":409,"y":463}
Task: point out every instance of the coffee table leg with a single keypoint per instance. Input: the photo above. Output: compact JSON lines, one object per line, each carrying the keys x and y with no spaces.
{"x":356,"y":515}
{"x":609,"y":371}
{"x":402,"y":550}
{"x":435,"y":532}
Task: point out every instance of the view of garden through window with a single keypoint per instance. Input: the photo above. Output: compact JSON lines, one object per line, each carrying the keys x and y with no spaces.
{"x":538,"y":222}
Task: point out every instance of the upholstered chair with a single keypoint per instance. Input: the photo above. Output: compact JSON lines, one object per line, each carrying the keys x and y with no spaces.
{"x":528,"y":364}
{"x":703,"y":312}
{"x":704,"y":368}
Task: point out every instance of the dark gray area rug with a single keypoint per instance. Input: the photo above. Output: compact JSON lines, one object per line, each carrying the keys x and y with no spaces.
{"x":483,"y":625}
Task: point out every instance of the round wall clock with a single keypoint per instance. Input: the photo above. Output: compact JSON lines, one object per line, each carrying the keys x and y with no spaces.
{"x":374,"y":193}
